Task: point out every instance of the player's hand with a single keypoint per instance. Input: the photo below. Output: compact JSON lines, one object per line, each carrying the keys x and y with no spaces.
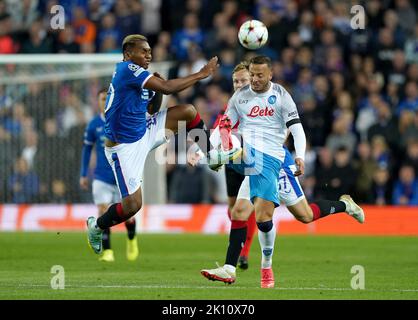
{"x":300,"y":165}
{"x":209,"y":68}
{"x":193,"y":158}
{"x":156,"y":74}
{"x":84,"y":183}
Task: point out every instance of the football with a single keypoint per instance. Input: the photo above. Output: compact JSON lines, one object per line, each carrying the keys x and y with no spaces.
{"x":253,"y":34}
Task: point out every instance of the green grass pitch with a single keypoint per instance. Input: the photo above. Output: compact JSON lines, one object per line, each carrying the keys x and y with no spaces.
{"x":305,"y":267}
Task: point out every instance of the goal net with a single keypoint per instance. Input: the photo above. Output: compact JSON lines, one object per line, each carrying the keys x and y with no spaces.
{"x":46,"y":102}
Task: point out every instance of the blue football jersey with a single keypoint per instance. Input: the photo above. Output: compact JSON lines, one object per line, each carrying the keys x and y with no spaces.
{"x":126,"y":103}
{"x":94,"y":134}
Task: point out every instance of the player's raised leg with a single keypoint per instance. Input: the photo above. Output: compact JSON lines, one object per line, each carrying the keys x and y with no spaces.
{"x":308,"y":212}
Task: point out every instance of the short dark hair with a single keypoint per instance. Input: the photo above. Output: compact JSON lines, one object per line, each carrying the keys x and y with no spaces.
{"x":130,"y":41}
{"x":102,"y":90}
{"x":261,"y":60}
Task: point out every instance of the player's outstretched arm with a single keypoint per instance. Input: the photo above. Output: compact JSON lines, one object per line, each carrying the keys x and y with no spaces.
{"x":299,"y":139}
{"x":175,"y":85}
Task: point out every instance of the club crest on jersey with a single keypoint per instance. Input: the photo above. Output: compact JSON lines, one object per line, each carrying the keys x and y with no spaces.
{"x":133,"y":67}
{"x":272,"y":99}
{"x":256,"y":111}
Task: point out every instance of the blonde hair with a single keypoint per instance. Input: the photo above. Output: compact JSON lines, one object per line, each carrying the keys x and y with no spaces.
{"x":129,"y":41}
{"x":243,"y":65}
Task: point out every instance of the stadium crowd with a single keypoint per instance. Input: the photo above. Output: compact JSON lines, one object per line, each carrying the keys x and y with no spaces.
{"x":356,"y":89}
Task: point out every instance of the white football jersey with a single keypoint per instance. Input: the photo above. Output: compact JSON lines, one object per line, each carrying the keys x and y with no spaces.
{"x":263,"y":118}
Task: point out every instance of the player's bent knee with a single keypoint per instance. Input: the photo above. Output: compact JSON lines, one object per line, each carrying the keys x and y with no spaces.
{"x":189,"y":111}
{"x":241,"y":212}
{"x":131,"y":206}
{"x":304,"y":219}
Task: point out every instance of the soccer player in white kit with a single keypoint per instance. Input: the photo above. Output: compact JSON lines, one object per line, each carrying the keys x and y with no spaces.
{"x":266,"y":112}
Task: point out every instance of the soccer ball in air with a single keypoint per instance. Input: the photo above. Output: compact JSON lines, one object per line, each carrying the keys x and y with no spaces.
{"x":253,"y":34}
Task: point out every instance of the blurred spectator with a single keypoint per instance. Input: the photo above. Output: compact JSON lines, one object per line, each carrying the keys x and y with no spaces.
{"x":59,"y":192}
{"x":365,"y":167}
{"x":7,"y":44}
{"x":391,"y":22}
{"x":75,"y":112}
{"x":343,"y":176}
{"x":381,"y":193}
{"x":411,"y":47}
{"x":66,"y":41}
{"x":23,"y":183}
{"x":341,"y":135}
{"x":386,"y":125}
{"x":411,"y":98}
{"x":183,"y":38}
{"x":39,"y":41}
{"x":189,"y":185}
{"x":385,"y":50}
{"x":313,"y":121}
{"x":398,"y":73}
{"x":85,"y":30}
{"x":381,"y":153}
{"x":412,"y":153}
{"x":128,"y":18}
{"x":30,"y":147}
{"x":108,"y":30}
{"x":405,"y":190}
{"x":24,"y":13}
{"x":408,"y":126}
{"x":304,"y":87}
{"x":323,"y":174}
{"x":407,"y":15}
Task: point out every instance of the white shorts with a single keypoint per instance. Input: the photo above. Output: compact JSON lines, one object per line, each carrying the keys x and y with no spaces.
{"x":128,"y":159}
{"x":290,"y":191}
{"x":105,"y":193}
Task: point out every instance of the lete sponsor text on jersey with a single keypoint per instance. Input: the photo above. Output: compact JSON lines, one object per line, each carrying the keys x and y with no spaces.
{"x":256,"y":111}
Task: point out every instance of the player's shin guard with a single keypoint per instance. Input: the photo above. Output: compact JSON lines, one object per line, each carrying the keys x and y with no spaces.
{"x":237,"y":237}
{"x":131,"y":228}
{"x":203,"y":143}
{"x":251,"y":226}
{"x":113,"y":216}
{"x":266,"y":237}
{"x":106,"y":239}
{"x":322,"y":208}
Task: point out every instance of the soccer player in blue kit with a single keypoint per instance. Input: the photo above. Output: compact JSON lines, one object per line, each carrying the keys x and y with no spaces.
{"x":131,"y":133}
{"x":104,"y":187}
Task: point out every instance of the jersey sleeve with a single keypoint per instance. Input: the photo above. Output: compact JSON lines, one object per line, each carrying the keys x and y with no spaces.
{"x":289,"y":111}
{"x":136,"y":76}
{"x":89,"y":140}
{"x":231,"y":110}
{"x":89,"y":134}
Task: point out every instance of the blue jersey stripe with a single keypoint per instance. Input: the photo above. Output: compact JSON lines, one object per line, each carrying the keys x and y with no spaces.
{"x":293,"y":181}
{"x":121,"y":180}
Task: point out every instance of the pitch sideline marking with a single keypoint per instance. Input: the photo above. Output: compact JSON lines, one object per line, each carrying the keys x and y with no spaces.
{"x":73,"y":286}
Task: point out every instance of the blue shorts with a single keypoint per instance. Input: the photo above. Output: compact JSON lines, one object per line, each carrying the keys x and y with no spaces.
{"x":263,"y":171}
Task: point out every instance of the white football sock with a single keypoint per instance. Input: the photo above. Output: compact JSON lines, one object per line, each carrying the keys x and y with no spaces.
{"x":266,"y":240}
